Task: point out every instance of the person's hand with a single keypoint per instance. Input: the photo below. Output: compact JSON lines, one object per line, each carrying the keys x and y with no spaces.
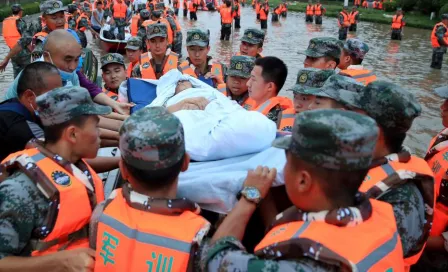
{"x":123,"y":108}
{"x":76,"y":260}
{"x":219,"y":80}
{"x":3,"y":65}
{"x":196,"y":103}
{"x":261,"y":178}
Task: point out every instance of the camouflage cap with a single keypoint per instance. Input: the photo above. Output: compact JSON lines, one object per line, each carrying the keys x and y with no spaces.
{"x":342,"y":89}
{"x":241,"y":66}
{"x":156,"y":30}
{"x":332,"y":139}
{"x":309,"y":79}
{"x":145,"y":14}
{"x":156,"y":13}
{"x":198,"y":37}
{"x":111,"y":58}
{"x":442,"y":92}
{"x":134,"y":43}
{"x":86,"y":9}
{"x":63,"y":104}
{"x":51,"y":7}
{"x":253,"y":36}
{"x":160,"y":6}
{"x":390,"y":105}
{"x":356,"y":47}
{"x":72,"y":8}
{"x":16,"y":8}
{"x":323,"y":47}
{"x":141,"y":7}
{"x":152,"y":139}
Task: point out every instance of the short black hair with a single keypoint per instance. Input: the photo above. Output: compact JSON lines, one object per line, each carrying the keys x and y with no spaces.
{"x":124,"y":66}
{"x":328,"y":58}
{"x":355,"y":59}
{"x":16,"y":12}
{"x":394,"y":140}
{"x":155,"y":179}
{"x":53,"y":133}
{"x":274,"y":70}
{"x":33,"y":77}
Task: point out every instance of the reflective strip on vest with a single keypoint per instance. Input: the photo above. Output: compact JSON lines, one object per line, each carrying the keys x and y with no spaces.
{"x":378,"y":254}
{"x":264,"y":106}
{"x":363,"y":75}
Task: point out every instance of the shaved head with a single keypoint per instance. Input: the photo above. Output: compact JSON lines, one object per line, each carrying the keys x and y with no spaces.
{"x":59,"y":39}
{"x":62,"y":49}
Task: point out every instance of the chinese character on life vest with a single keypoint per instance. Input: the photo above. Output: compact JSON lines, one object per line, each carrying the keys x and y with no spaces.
{"x":109,"y":243}
{"x":160,"y":262}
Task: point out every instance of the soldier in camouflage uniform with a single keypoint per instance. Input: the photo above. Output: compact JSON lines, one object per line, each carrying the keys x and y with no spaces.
{"x":73,"y":17}
{"x":133,"y":53}
{"x":312,"y":160}
{"x":238,"y":75}
{"x":252,"y":43}
{"x":439,"y":42}
{"x":25,"y":207}
{"x":19,"y":53}
{"x":174,"y":23}
{"x":113,"y":73}
{"x":322,"y":53}
{"x":308,"y":78}
{"x":144,"y":15}
{"x":411,"y":195}
{"x":119,"y":23}
{"x":153,"y":154}
{"x":352,"y":56}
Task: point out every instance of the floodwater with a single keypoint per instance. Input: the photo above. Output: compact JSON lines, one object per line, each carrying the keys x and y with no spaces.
{"x":405,"y":62}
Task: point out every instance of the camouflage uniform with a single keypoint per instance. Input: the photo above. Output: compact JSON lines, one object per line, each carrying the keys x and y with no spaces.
{"x":254,"y":36}
{"x":240,"y":66}
{"x":72,"y":8}
{"x":394,"y":110}
{"x":438,"y":52}
{"x":346,"y":151}
{"x":134,"y":43}
{"x":323,"y":47}
{"x":342,"y":29}
{"x":144,"y":15}
{"x":113,"y":58}
{"x":23,"y":207}
{"x":120,"y":23}
{"x":356,"y":48}
{"x":84,"y":23}
{"x":177,"y":42}
{"x":396,"y":33}
{"x":309,"y":79}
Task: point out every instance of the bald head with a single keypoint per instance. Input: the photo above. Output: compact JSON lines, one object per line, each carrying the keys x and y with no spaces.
{"x":62,"y":49}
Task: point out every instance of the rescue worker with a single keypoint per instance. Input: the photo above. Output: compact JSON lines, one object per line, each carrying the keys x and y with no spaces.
{"x":194,"y":4}
{"x":135,"y":21}
{"x":133,"y":53}
{"x":352,"y":55}
{"x":160,"y":59}
{"x":113,"y":73}
{"x":252,"y":43}
{"x":264,"y":12}
{"x":322,"y":53}
{"x":145,"y":15}
{"x":120,"y":18}
{"x":198,"y":64}
{"x":257,"y":9}
{"x":276,"y":14}
{"x":176,"y":5}
{"x":319,"y":10}
{"x":83,"y":24}
{"x":343,"y":23}
{"x":17,"y":34}
{"x":398,"y":23}
{"x":266,"y":81}
{"x":354,"y":18}
{"x":156,"y":17}
{"x":238,"y":74}
{"x":48,"y":229}
{"x":98,"y":18}
{"x":185,"y":7}
{"x":226,"y":20}
{"x":439,"y":41}
{"x":284,"y":10}
{"x":72,"y":16}
{"x":148,"y":203}
{"x":318,"y":233}
{"x":357,"y":3}
{"x":236,"y":14}
{"x":309,"y":13}
{"x":177,"y":31}
{"x":412,"y":194}
{"x":365,"y":4}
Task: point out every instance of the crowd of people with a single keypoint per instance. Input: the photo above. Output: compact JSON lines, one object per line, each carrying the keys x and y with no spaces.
{"x":353,"y":197}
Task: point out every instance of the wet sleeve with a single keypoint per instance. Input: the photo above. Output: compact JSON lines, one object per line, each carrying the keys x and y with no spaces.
{"x":22,"y":209}
{"x":84,"y":82}
{"x":440,"y":34}
{"x":26,"y":32}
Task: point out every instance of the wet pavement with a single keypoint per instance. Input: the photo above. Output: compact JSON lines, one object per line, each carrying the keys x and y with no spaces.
{"x":403,"y":62}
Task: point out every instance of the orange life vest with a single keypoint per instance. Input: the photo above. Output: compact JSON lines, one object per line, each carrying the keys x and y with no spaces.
{"x":141,"y":240}
{"x":346,"y":19}
{"x":318,"y":10}
{"x":379,"y":252}
{"x":237,"y":13}
{"x":111,"y":94}
{"x":79,"y":19}
{"x":168,"y":27}
{"x":148,"y":72}
{"x":226,"y":15}
{"x":222,"y":88}
{"x":131,"y":66}
{"x":263,"y":14}
{"x":362,"y":76}
{"x":185,"y":4}
{"x":434,"y":40}
{"x":375,"y":4}
{"x":119,"y":10}
{"x":287,"y":120}
{"x":257,"y":8}
{"x":397,"y":22}
{"x":216,"y":69}
{"x":176,"y":4}
{"x":377,"y":175}
{"x":10,"y":32}
{"x":357,"y":2}
{"x":70,"y":228}
{"x":365,"y":4}
{"x":266,"y":107}
{"x":309,"y":10}
{"x":380,"y":5}
{"x":192,"y":5}
{"x":134,"y":25}
{"x":353,"y":17}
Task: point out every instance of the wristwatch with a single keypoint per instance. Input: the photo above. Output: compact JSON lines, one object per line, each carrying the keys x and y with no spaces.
{"x":251,"y":194}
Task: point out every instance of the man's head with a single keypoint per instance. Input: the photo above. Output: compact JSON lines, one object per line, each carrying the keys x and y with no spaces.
{"x":198,"y":46}
{"x":70,"y":119}
{"x":354,"y":8}
{"x":144,"y":15}
{"x":182,"y":85}
{"x":328,"y":156}
{"x":155,"y":15}
{"x":160,"y":6}
{"x":445,"y":18}
{"x":53,"y":14}
{"x":152,"y":149}
{"x":393,"y":108}
{"x":114,"y":70}
{"x":238,"y":74}
{"x":99,"y":5}
{"x":17,"y":10}
{"x":134,"y":49}
{"x":141,"y":7}
{"x":308,"y":79}
{"x":399,"y":11}
{"x":267,"y":78}
{"x":322,"y":53}
{"x":37,"y":78}
{"x":252,"y":42}
{"x":72,"y":8}
{"x":86,"y":11}
{"x":156,"y":35}
{"x":62,"y":49}
{"x":353,"y":53}
{"x":344,"y":8}
{"x":442,"y":92}
{"x":338,"y":92}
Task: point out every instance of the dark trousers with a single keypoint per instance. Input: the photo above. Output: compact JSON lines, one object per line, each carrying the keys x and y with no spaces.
{"x":274,"y":17}
{"x":185,"y":12}
{"x":97,"y":28}
{"x":176,"y":11}
{"x":309,"y":18}
{"x":396,"y":34}
{"x":264,"y":24}
{"x":193,"y":16}
{"x":237,"y":22}
{"x":343,"y":33}
{"x":318,"y":20}
{"x":284,"y":14}
{"x":258,"y":16}
{"x":437,"y":60}
{"x":226,"y":30}
{"x":353,"y":27}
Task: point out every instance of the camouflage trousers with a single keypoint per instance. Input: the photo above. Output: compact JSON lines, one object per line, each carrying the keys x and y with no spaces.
{"x":437,"y":57}
{"x":177,"y":43}
{"x":120,"y":24}
{"x":19,"y":62}
{"x":343,"y":33}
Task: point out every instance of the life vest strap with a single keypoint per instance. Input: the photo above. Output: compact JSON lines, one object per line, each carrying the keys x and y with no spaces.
{"x":39,"y":245}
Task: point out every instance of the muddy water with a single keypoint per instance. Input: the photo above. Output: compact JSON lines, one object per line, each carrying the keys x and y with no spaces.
{"x":403,"y":62}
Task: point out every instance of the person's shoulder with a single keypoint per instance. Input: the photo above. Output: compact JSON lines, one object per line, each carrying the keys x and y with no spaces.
{"x":18,"y":186}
